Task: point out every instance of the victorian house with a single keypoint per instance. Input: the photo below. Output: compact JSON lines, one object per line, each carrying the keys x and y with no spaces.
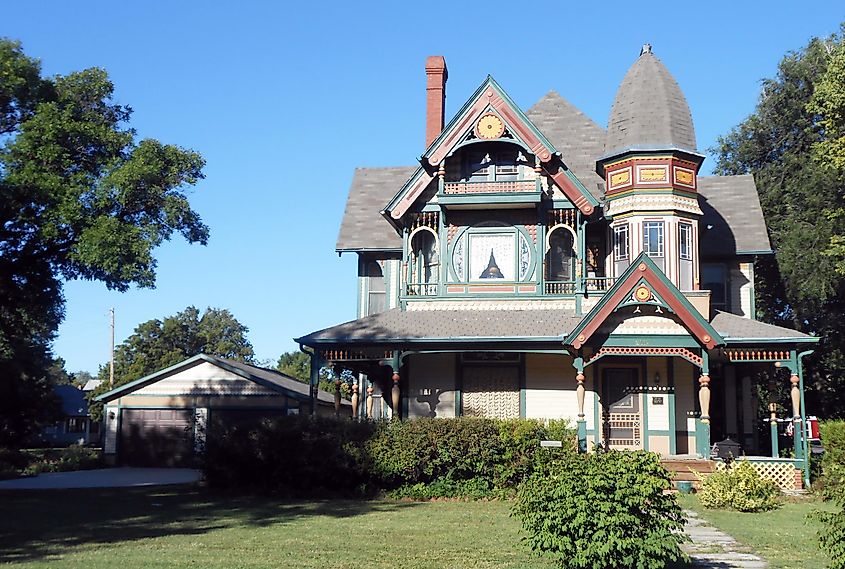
{"x":534,"y":264}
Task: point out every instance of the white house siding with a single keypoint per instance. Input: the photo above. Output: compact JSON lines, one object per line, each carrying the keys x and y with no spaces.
{"x":203,"y":379}
{"x":741,"y":288}
{"x":110,"y":418}
{"x":550,"y":390}
{"x":658,"y":414}
{"x":431,"y":385}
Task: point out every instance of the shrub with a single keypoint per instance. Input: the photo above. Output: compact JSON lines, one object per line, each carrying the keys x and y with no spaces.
{"x":832,"y":533}
{"x":486,"y":456}
{"x":292,"y":456}
{"x":833,"y":460}
{"x":420,"y":459}
{"x":604,"y":509}
{"x":738,"y":487}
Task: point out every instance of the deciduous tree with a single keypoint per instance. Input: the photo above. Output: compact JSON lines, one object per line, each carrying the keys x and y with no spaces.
{"x":82,"y":199}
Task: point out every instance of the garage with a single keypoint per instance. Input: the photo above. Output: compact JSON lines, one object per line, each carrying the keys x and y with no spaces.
{"x":156,"y":437}
{"x":163,"y":419}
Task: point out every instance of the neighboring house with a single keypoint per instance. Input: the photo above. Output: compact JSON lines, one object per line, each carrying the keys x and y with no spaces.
{"x":164,"y":418}
{"x":535,"y":264}
{"x":75,"y":426}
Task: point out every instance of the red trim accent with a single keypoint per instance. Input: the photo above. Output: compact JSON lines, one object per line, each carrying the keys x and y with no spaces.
{"x":570,"y":190}
{"x":690,"y":321}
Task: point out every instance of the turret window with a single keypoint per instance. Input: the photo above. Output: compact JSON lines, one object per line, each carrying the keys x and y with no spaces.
{"x":621,"y":248}
{"x":685,"y":241}
{"x":653,"y":241}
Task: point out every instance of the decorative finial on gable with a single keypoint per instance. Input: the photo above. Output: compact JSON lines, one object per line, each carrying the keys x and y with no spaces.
{"x":646,"y":48}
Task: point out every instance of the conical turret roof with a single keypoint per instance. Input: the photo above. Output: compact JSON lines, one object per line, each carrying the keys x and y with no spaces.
{"x":649,"y":112}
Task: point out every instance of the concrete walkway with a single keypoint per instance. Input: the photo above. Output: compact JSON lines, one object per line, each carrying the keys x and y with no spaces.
{"x":714,"y":549}
{"x":104,"y":478}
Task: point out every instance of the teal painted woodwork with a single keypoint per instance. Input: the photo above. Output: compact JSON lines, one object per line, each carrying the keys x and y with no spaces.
{"x":670,"y":396}
{"x":582,"y":435}
{"x":702,"y":438}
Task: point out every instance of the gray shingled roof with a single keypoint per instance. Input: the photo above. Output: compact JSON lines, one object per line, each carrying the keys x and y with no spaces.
{"x":363,"y":227}
{"x":276,"y":378}
{"x":449,"y":325}
{"x":578,"y":139}
{"x":649,"y":111}
{"x":732,"y":327}
{"x":438,"y":326}
{"x":733,"y":219}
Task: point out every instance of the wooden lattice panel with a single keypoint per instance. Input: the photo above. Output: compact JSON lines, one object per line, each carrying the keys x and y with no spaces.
{"x":491,"y":392}
{"x":626,"y":421}
{"x":781,"y":473}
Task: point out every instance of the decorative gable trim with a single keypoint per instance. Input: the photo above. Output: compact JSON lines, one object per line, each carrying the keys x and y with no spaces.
{"x":644,"y":284}
{"x":491,"y":98}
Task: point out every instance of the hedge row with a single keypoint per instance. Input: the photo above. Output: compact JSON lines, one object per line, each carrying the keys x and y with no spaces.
{"x":833,"y":460}
{"x":422,"y":458}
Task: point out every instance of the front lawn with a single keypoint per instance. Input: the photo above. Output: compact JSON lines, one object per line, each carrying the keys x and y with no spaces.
{"x":187,"y":526}
{"x":784,"y":537}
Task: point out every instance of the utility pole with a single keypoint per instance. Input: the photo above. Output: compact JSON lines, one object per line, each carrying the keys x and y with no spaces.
{"x":111,"y":350}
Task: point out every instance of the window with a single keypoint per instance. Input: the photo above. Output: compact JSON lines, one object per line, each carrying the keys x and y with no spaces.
{"x":424,"y":263}
{"x":685,"y":268}
{"x":685,"y":241}
{"x":653,"y":238}
{"x":376,"y":294}
{"x":621,"y":244}
{"x":713,"y":279}
{"x":493,"y":163}
{"x":561,"y":256}
{"x":76,"y":425}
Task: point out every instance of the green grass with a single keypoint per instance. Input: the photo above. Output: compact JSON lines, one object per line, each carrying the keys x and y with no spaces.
{"x":784,"y":537}
{"x":187,"y":526}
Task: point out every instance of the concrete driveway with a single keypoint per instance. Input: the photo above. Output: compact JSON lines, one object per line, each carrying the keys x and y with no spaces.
{"x":104,"y":478}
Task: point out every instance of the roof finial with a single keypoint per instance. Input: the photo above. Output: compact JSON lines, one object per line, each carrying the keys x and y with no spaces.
{"x":646,"y":48}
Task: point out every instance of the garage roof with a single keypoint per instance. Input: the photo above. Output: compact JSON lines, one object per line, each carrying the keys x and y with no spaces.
{"x":271,"y":379}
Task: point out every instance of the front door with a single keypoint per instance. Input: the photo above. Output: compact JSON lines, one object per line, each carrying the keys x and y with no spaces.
{"x":622,"y":416}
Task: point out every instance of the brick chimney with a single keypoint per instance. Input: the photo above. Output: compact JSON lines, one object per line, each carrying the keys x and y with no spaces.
{"x":435,"y":97}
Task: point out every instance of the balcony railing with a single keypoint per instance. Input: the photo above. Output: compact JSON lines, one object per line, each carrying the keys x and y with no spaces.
{"x":599,"y":283}
{"x":560,"y":287}
{"x":469,"y":188}
{"x":595,"y":284}
{"x":421,"y":289}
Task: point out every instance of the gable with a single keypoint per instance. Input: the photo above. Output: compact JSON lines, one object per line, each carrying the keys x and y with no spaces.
{"x":490,"y":99}
{"x":646,"y":291}
{"x":204,"y":378}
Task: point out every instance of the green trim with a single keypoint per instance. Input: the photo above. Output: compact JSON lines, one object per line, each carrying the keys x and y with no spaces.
{"x":486,"y":199}
{"x":522,"y":387}
{"x":618,"y":285}
{"x":702,"y":438}
{"x":753,"y":296}
{"x":459,"y":386}
{"x":756,"y":252}
{"x":757,"y":341}
{"x":655,"y":341}
{"x":598,"y":427}
{"x":562,"y":204}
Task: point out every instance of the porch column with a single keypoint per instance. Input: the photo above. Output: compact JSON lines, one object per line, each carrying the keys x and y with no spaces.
{"x":370,"y":401}
{"x":582,"y":421}
{"x":394,"y":394}
{"x":315,"y":380}
{"x":355,"y":400}
{"x":797,"y":425}
{"x":702,"y":431}
{"x":337,"y":397}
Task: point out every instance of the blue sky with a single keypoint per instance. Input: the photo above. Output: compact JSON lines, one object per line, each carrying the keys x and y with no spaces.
{"x":285,"y":100}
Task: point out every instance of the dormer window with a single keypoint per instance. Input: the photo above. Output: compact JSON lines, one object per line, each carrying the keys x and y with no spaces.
{"x":492,"y":162}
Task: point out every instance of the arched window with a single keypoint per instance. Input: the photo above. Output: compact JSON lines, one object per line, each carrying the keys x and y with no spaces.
{"x":560,"y":258}
{"x":376,"y":290}
{"x":424,"y":264}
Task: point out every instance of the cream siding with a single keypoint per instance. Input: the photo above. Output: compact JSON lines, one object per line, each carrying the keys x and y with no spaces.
{"x":550,"y":390}
{"x":431,"y":385}
{"x":685,"y":393}
{"x":204,"y":379}
{"x":658,"y":415}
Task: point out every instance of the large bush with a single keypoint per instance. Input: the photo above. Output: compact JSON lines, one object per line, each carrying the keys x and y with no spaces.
{"x":738,"y":487}
{"x":833,"y":460}
{"x":832,"y":533}
{"x":600,"y":510}
{"x":421,"y":458}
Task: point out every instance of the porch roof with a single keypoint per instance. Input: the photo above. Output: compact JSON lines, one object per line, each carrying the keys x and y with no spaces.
{"x":529,"y":325}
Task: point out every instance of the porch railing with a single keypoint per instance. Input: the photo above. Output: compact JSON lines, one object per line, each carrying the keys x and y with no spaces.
{"x":599,"y":283}
{"x":560,"y":287}
{"x":594,"y":284}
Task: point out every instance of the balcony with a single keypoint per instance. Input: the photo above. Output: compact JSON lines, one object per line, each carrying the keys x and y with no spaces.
{"x":421,"y":289}
{"x":485,"y":192}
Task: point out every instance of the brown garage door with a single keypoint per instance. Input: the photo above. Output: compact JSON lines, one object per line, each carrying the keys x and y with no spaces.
{"x":156,"y":437}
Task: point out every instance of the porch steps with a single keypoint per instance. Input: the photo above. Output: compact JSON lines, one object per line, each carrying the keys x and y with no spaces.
{"x":683,"y":469}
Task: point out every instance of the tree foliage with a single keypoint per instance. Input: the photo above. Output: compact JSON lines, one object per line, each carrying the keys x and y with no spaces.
{"x":296,"y":365}
{"x":158,"y":344}
{"x":792,"y":143}
{"x":81,"y":199}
